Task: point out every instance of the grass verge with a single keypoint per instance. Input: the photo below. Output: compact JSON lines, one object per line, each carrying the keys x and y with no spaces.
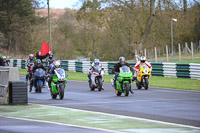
{"x":155,"y":81}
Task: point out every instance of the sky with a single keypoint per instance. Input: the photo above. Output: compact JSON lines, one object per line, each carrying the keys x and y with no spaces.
{"x":62,"y":4}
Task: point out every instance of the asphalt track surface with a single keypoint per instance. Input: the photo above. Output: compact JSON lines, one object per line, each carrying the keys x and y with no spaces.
{"x":168,"y":105}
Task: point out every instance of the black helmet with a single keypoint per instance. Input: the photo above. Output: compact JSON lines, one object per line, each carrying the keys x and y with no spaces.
{"x":51,"y":55}
{"x":38,"y":62}
{"x":122,"y":60}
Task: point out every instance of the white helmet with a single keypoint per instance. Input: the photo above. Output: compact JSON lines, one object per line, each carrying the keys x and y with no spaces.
{"x":142,"y":59}
{"x":3,"y":57}
{"x":57,"y":64}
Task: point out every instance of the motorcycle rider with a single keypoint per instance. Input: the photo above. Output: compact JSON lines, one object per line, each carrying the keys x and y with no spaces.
{"x":49,"y":61}
{"x":5,"y":62}
{"x":137,"y":66}
{"x":122,"y":62}
{"x":94,"y":64}
{"x":38,"y":64}
{"x":29,"y":63}
{"x":56,"y":64}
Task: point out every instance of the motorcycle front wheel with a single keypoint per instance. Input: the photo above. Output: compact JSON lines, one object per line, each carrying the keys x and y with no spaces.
{"x":146,"y":84}
{"x":99,"y":84}
{"x":40,"y":87}
{"x":127,"y":88}
{"x":61,"y":91}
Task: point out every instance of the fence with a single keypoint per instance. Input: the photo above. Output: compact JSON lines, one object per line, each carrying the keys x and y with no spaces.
{"x":164,"y":54}
{"x":179,"y":70}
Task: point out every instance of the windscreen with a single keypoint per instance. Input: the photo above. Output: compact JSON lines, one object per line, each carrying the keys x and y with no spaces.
{"x":97,"y":69}
{"x":125,"y":69}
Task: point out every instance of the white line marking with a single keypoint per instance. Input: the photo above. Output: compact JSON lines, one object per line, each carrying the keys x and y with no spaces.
{"x":101,"y":129}
{"x":130,"y":117}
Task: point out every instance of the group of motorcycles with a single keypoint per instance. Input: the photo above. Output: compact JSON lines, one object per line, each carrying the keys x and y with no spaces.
{"x":59,"y":80}
{"x":123,"y":81}
{"x":57,"y":85}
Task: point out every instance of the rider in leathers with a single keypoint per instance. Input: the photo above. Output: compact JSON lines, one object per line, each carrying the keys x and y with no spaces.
{"x":94,"y":64}
{"x":137,"y":66}
{"x":29,"y":63}
{"x":49,"y":61}
{"x":38,"y":64}
{"x":116,"y":69}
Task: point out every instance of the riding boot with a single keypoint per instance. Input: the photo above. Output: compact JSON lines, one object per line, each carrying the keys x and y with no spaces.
{"x":26,"y":77}
{"x":30,"y":89}
{"x":133,"y":79}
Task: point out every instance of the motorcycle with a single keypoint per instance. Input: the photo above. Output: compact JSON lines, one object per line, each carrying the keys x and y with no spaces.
{"x":123,"y":81}
{"x":39,"y":80}
{"x":143,"y":77}
{"x":97,"y":75}
{"x":58,"y":83}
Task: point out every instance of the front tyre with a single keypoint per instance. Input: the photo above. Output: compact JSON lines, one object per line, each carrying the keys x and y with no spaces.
{"x":146,"y":84}
{"x":40,"y":87}
{"x":127,"y":88}
{"x":99,"y":84}
{"x":61,"y":91}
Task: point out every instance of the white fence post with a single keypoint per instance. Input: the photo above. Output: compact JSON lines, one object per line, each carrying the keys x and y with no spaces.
{"x":156,"y":55}
{"x":179,"y":49}
{"x":145,"y":52}
{"x":167,"y":53}
{"x":192,"y":50}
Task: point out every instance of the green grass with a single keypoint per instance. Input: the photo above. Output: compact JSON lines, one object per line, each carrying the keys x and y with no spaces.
{"x":155,"y":81}
{"x":188,"y":61}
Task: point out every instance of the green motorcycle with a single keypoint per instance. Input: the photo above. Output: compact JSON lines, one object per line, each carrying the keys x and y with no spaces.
{"x":58,"y":83}
{"x":123,"y":82}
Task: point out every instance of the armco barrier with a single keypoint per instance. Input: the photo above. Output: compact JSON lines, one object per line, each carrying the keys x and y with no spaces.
{"x":194,"y":71}
{"x":180,"y":70}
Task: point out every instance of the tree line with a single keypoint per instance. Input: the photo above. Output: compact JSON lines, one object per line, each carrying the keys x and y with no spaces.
{"x":104,"y":29}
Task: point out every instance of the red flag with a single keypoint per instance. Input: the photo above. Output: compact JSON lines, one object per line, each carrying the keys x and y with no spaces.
{"x":45,"y":48}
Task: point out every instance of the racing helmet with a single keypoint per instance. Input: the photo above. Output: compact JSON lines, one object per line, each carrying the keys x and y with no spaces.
{"x":142,"y":59}
{"x":122,"y":60}
{"x":38,"y":62}
{"x":50,"y":55}
{"x":96,"y":61}
{"x":4,"y":57}
{"x":57,"y":64}
{"x":31,"y":56}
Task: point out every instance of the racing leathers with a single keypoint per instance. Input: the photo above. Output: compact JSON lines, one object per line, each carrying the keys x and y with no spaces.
{"x":29,"y":63}
{"x":137,"y":67}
